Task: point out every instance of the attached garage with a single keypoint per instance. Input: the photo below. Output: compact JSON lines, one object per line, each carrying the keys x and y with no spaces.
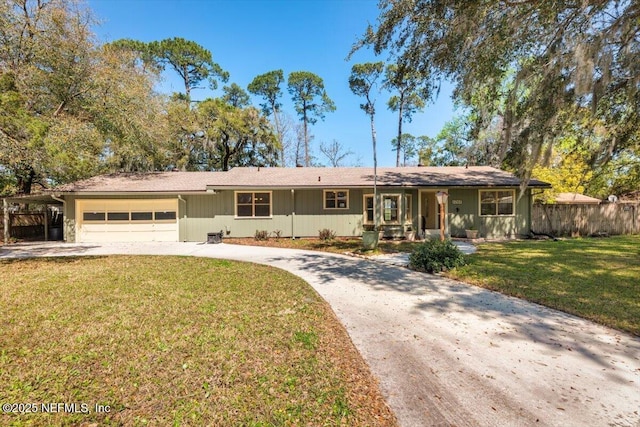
{"x":148,"y":220}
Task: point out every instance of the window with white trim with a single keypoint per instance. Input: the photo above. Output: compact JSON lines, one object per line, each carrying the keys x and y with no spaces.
{"x":497,"y":202}
{"x":390,"y":208}
{"x":408,"y":213}
{"x":368,"y":208}
{"x":253,"y":204}
{"x":336,"y":199}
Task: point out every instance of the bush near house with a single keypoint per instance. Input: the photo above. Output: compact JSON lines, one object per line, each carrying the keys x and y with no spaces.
{"x":326,"y":234}
{"x":434,"y":256}
{"x":261,"y":235}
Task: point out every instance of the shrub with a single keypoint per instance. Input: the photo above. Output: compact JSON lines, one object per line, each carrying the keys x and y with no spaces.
{"x":434,"y":256}
{"x":326,"y":234}
{"x":277,"y":234}
{"x":261,"y":235}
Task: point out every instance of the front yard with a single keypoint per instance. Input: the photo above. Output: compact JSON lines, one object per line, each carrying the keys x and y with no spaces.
{"x":594,"y":278}
{"x":132,"y":341}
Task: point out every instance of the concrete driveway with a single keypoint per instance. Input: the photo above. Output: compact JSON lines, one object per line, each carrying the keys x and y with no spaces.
{"x":448,"y":353}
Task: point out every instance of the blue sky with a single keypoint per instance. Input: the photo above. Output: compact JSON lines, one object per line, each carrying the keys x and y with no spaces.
{"x":251,"y":37}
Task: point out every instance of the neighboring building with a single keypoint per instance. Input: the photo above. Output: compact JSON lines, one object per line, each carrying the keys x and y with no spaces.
{"x":185,"y":206}
{"x":576,"y":199}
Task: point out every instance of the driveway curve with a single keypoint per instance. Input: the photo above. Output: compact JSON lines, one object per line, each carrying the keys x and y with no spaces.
{"x":447,"y":353}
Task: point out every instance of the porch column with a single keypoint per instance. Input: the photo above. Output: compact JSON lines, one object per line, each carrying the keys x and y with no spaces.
{"x":5,"y":209}
{"x":46,"y":223}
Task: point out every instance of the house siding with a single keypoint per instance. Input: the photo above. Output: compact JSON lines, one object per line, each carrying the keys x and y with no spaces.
{"x":209,"y":213}
{"x":467,"y":214}
{"x":202,"y":214}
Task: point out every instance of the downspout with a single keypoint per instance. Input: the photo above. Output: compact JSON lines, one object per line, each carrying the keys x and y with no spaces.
{"x":64,"y":215}
{"x":293,"y":212}
{"x":185,"y":212}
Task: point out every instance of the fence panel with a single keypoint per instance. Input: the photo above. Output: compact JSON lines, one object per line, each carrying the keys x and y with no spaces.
{"x":586,"y":220}
{"x":23,"y":225}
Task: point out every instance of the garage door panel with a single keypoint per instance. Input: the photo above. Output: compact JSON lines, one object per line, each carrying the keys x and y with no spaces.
{"x":126,"y":220}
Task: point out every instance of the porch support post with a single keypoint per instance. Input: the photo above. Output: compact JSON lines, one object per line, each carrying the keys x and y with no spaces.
{"x":441,"y":222}
{"x":46,"y":223}
{"x":5,"y":210}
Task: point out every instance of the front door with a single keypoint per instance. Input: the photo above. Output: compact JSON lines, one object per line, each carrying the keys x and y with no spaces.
{"x":430,"y":213}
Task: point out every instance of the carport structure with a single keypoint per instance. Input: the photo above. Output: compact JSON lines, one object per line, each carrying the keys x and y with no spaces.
{"x":46,"y":200}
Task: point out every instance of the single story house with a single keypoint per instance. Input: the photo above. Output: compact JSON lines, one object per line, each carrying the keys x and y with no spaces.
{"x":186,"y":206}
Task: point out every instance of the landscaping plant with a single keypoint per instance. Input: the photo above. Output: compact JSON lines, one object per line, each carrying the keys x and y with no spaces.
{"x":434,"y":256}
{"x":261,"y":235}
{"x":326,"y":234}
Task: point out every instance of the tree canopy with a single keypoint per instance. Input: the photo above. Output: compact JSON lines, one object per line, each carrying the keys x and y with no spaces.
{"x":68,"y":107}
{"x":546,"y":68}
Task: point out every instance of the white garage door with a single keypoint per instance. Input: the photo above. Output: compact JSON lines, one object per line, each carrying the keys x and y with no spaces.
{"x":127,"y":220}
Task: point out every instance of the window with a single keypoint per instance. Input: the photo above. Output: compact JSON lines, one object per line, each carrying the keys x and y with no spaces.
{"x":338,"y":199}
{"x":165,"y":215}
{"x":408,"y":216}
{"x":118,"y":216}
{"x":251,"y":205}
{"x":368,"y":209}
{"x":141,"y":216}
{"x":390,"y":208}
{"x":93,"y":216}
{"x":497,"y":202}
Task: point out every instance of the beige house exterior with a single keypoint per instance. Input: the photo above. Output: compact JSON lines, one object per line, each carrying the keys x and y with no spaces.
{"x":296,"y":202}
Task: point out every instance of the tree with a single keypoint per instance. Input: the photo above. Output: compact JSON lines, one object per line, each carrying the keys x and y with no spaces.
{"x":411,"y":95}
{"x":335,"y":153}
{"x":267,"y":86}
{"x":453,"y":145}
{"x":542,"y":67}
{"x":362,"y":81}
{"x":408,"y":147}
{"x":233,"y":136}
{"x":235,"y":95}
{"x":192,"y":62}
{"x":70,"y":109}
{"x":310,"y":102}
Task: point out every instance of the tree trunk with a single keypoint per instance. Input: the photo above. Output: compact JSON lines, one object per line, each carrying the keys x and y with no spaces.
{"x":401,"y":104}
{"x":375,"y":174}
{"x":25,"y":180}
{"x":277,"y":123}
{"x":307,"y":162}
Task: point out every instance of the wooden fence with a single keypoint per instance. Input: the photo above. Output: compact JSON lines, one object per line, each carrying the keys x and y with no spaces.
{"x":586,"y":220}
{"x":24,"y":225}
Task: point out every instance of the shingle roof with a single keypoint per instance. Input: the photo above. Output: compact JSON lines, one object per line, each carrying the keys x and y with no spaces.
{"x":142,"y":182}
{"x":452,"y":176}
{"x":253,"y":177}
{"x":575,"y":198}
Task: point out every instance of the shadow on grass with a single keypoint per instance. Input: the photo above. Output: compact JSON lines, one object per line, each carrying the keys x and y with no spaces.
{"x":50,"y":259}
{"x":40,"y":249}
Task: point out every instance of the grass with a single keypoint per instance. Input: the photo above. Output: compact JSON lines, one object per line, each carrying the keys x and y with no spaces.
{"x":594,"y":278}
{"x":339,"y":245}
{"x":176,"y":341}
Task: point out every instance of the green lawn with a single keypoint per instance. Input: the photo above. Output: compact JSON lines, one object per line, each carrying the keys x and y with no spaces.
{"x":594,"y":278}
{"x":176,"y":341}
